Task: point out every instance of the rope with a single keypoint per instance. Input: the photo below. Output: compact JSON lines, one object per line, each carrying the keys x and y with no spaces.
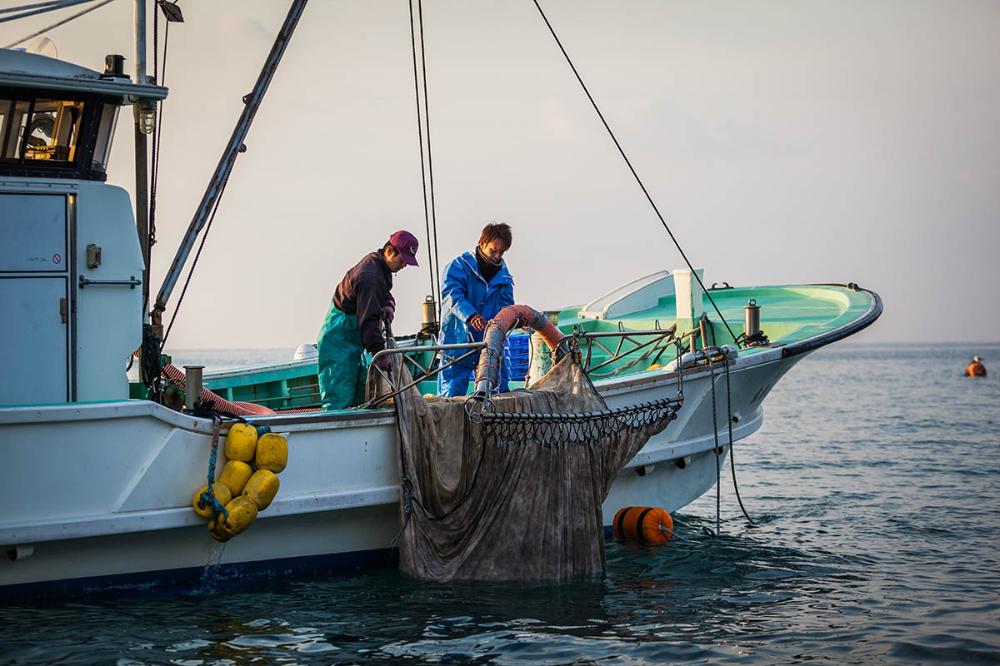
{"x":57,"y":23}
{"x":718,"y":462}
{"x":432,"y":268}
{"x":160,"y":77}
{"x":194,"y":263}
{"x":430,"y":159}
{"x":632,"y":169}
{"x":732,"y":459}
{"x":679,"y":349}
{"x":208,"y":497}
{"x":151,"y":230}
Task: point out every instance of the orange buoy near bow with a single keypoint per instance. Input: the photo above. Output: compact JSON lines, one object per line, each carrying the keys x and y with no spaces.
{"x":645,"y":524}
{"x":975,"y":368}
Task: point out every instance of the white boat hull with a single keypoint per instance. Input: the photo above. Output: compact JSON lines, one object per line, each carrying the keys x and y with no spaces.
{"x":98,"y":496}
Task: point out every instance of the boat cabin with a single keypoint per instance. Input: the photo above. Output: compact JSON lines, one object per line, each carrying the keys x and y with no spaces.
{"x":70,"y":259}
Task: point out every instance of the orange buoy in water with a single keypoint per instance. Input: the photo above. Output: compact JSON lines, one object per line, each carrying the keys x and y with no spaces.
{"x":645,"y":524}
{"x":975,"y":368}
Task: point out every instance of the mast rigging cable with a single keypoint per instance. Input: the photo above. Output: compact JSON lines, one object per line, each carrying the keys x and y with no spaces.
{"x":426,"y":167}
{"x":213,"y":193}
{"x":39,"y":8}
{"x":160,"y":78}
{"x":54,"y":25}
{"x":430,"y":219}
{"x":629,"y":164}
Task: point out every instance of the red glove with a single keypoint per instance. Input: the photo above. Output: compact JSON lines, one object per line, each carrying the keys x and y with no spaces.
{"x":477,"y":322}
{"x":383,"y":363}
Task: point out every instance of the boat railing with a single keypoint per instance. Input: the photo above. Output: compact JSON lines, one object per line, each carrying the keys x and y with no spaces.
{"x":601,"y":349}
{"x":423,"y":361}
{"x":596,"y":350}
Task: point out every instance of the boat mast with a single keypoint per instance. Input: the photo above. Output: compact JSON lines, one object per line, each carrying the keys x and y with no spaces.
{"x":141,"y":150}
{"x":235,"y":146}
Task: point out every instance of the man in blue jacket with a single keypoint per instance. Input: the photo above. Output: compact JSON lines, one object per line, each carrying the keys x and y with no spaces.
{"x":477,"y":285}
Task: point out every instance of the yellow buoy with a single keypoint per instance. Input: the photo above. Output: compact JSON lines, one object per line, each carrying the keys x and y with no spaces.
{"x":262,"y":487}
{"x":272,"y":452}
{"x":221,"y":492}
{"x":241,"y":442}
{"x":235,"y":475}
{"x":655,"y":366}
{"x":241,"y":512}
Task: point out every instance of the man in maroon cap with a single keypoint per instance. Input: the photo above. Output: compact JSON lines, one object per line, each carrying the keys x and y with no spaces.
{"x":353,"y":323}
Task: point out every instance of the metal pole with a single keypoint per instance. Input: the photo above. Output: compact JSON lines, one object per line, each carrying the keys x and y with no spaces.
{"x":228,"y":159}
{"x":139,"y":52}
{"x":141,"y":152}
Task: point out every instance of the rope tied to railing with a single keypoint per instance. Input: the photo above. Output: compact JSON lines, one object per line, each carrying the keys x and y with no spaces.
{"x":208,"y":498}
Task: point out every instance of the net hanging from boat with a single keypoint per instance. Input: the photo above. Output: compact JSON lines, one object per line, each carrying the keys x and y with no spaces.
{"x":515,"y":493}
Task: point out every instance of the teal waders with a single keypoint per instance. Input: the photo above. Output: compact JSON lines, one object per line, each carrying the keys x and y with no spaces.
{"x":343,"y":362}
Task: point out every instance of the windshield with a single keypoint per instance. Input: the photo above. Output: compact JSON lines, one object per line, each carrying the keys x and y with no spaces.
{"x":39,"y":129}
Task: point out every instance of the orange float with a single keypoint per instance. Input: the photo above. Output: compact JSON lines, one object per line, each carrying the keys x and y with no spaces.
{"x":975,"y":368}
{"x":645,"y":524}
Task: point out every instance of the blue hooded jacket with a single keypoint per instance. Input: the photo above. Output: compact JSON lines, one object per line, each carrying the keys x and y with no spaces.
{"x":466,"y":292}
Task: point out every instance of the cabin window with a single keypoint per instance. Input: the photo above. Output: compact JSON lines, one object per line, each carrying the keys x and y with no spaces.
{"x":105,"y":133}
{"x":13,"y":120}
{"x":40,"y":129}
{"x":54,"y":129}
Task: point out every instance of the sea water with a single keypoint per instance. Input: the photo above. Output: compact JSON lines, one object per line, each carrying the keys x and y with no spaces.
{"x":874,"y":486}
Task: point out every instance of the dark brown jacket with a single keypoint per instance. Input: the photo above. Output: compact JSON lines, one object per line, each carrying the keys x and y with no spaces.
{"x":364,"y":292}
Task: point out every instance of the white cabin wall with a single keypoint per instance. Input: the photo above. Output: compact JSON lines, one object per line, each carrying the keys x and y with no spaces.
{"x":108,"y":318}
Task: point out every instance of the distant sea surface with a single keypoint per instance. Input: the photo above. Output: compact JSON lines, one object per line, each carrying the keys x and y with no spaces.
{"x":875,"y":486}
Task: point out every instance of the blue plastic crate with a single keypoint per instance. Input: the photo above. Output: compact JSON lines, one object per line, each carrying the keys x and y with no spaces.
{"x":518,"y":352}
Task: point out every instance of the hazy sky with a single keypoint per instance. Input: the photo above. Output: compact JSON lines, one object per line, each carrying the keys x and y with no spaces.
{"x":785,"y":142}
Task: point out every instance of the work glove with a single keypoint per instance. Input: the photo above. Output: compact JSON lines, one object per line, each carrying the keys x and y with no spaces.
{"x":383,"y":363}
{"x":477,"y":322}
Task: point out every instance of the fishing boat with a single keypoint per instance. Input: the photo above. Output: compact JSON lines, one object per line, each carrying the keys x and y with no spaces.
{"x":98,"y":475}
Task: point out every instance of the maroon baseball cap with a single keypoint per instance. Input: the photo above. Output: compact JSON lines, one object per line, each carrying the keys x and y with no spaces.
{"x":406,"y":244}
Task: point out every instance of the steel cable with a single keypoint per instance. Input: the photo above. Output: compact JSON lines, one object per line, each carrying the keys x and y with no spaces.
{"x":632,"y":169}
{"x":423,"y":172}
{"x":56,"y":24}
{"x":430,"y":158}
{"x":38,"y":8}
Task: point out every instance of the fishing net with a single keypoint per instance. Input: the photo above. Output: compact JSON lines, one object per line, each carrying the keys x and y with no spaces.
{"x":514,"y":493}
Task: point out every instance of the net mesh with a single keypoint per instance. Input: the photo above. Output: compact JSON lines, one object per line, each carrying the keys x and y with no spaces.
{"x":516,"y":493}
